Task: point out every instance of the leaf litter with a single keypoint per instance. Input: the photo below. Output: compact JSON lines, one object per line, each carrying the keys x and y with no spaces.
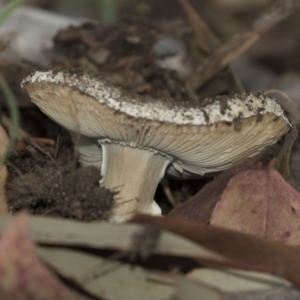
{"x":147,"y":258}
{"x":100,"y":245}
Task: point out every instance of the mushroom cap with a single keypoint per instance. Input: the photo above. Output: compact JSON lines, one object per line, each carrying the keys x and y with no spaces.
{"x":202,"y":136}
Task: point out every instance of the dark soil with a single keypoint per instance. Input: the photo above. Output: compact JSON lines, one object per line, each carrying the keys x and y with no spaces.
{"x":57,"y":188}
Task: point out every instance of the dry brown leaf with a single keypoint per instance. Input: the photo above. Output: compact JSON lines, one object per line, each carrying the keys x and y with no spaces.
{"x":106,"y":238}
{"x":106,"y":278}
{"x":258,"y":254}
{"x":260,"y":203}
{"x":22,"y":276}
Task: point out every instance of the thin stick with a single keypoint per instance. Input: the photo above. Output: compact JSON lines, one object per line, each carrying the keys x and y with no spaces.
{"x":207,"y":41}
{"x":279,"y":92}
{"x":35,"y":145}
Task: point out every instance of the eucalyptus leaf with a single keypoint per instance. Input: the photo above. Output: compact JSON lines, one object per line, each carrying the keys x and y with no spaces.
{"x":104,"y":278}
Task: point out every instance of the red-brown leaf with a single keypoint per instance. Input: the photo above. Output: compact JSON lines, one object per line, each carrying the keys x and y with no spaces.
{"x":260,"y":203}
{"x":199,"y":207}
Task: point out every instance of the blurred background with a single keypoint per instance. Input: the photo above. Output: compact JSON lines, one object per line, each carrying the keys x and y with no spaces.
{"x":225,"y":16}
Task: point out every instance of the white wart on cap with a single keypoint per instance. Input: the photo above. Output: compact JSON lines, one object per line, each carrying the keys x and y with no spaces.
{"x":141,"y":137}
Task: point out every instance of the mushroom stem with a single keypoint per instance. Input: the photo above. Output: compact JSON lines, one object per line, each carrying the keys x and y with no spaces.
{"x":134,"y":173}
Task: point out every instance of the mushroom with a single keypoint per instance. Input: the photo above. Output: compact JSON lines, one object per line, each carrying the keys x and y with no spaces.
{"x":141,"y":137}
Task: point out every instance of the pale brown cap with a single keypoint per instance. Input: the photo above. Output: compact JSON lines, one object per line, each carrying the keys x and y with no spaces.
{"x":200,"y":137}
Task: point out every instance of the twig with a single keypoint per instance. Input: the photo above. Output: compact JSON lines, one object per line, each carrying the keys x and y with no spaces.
{"x":35,"y":145}
{"x":206,"y":39}
{"x":279,"y":92}
{"x":208,"y":42}
{"x":240,"y":43}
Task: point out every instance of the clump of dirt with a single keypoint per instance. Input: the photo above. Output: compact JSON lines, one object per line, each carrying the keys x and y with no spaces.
{"x":61,"y":189}
{"x":23,"y":162}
